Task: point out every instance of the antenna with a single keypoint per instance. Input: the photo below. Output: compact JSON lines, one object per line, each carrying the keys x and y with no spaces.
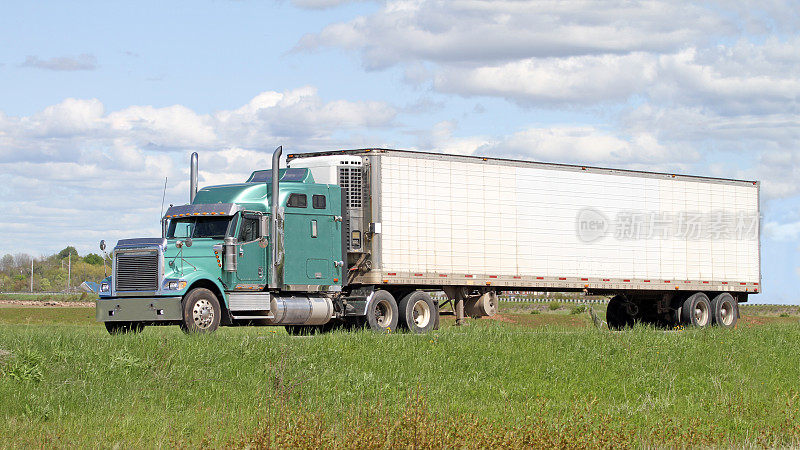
{"x":162,"y":199}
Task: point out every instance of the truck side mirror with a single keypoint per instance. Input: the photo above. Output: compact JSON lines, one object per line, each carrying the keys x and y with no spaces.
{"x":103,"y":245}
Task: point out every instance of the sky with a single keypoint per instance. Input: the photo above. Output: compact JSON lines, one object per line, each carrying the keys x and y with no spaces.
{"x":100,"y":102}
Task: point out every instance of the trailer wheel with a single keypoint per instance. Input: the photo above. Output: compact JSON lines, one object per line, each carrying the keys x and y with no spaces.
{"x":617,"y":315}
{"x":724,"y":311}
{"x":382,"y":313}
{"x":124,"y":327}
{"x":418,"y":313}
{"x":201,"y":312}
{"x":696,"y":310}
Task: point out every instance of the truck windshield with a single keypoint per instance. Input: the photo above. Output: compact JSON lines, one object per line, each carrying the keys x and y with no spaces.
{"x":198,"y":227}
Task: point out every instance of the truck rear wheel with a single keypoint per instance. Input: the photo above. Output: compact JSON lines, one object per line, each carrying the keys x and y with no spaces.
{"x":124,"y":327}
{"x":724,"y":311}
{"x":201,"y":312}
{"x":696,"y":310}
{"x":418,"y":313}
{"x":382,"y":312}
{"x":617,"y":314}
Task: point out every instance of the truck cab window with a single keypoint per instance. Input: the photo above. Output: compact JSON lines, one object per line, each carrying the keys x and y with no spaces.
{"x":318,"y":201}
{"x":198,"y":227}
{"x":249,"y":231}
{"x":297,"y":201}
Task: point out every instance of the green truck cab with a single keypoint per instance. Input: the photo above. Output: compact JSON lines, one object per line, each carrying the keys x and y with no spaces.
{"x":235,"y":255}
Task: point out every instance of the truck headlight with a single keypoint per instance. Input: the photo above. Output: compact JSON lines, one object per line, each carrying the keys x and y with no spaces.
{"x":175,"y":285}
{"x":104,"y":287}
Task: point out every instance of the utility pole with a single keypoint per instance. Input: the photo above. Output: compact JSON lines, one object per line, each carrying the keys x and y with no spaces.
{"x":31,"y":274}
{"x":69,"y":270}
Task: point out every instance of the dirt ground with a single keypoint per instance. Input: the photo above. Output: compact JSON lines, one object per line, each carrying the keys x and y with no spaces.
{"x":45,"y":304}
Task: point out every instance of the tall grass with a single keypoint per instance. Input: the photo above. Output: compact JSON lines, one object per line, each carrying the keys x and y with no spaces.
{"x":489,"y":384}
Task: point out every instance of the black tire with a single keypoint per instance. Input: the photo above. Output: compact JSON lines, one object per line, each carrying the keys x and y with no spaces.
{"x":382,"y":313}
{"x":201,"y":312}
{"x":724,"y":310}
{"x":124,"y":327}
{"x":617,"y":315}
{"x":696,"y":311}
{"x":418,"y":313}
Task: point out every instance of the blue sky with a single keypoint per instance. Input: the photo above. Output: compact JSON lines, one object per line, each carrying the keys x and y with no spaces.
{"x":100,"y":101}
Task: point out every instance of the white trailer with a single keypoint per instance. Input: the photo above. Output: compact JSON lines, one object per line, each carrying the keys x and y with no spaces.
{"x":669,"y":248}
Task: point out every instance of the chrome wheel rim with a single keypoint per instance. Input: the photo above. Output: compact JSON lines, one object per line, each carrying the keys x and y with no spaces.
{"x":726,"y":313}
{"x":421,"y":314}
{"x":203,"y":314}
{"x":383,"y":314}
{"x":701,"y":313}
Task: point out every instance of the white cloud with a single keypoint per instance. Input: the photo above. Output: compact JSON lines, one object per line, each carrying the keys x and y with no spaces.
{"x":586,"y":79}
{"x":586,"y":144}
{"x":298,"y":117}
{"x":92,"y":174}
{"x":564,"y":144}
{"x":782,"y":231}
{"x":477,"y":32}
{"x":441,"y":139}
{"x":551,"y":54}
{"x":741,"y":79}
{"x":62,"y":63}
{"x":323,"y":4}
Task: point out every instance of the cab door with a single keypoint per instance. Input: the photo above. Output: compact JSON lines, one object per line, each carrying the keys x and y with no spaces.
{"x":252,"y":267}
{"x":311,"y":234}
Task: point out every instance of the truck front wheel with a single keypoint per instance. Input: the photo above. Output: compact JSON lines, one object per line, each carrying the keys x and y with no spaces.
{"x":201,"y":312}
{"x":382,"y":312}
{"x":418,"y":313}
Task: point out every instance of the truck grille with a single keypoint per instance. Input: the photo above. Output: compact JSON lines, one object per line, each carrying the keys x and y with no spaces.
{"x":137,"y":271}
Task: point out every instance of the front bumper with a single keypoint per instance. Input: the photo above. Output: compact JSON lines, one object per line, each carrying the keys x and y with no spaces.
{"x":138,"y":309}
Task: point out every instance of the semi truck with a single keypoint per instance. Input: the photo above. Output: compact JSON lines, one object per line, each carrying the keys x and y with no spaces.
{"x":361,"y":238}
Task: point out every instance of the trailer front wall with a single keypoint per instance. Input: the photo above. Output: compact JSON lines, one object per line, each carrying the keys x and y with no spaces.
{"x":459,"y":216}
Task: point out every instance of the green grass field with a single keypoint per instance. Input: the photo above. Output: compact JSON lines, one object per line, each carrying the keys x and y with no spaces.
{"x":547,"y":379}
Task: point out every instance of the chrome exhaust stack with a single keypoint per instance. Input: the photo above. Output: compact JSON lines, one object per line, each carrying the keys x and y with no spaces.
{"x":193,"y":178}
{"x":273,"y":219}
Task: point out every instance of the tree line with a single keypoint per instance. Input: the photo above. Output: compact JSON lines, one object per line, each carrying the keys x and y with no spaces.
{"x":62,"y":271}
